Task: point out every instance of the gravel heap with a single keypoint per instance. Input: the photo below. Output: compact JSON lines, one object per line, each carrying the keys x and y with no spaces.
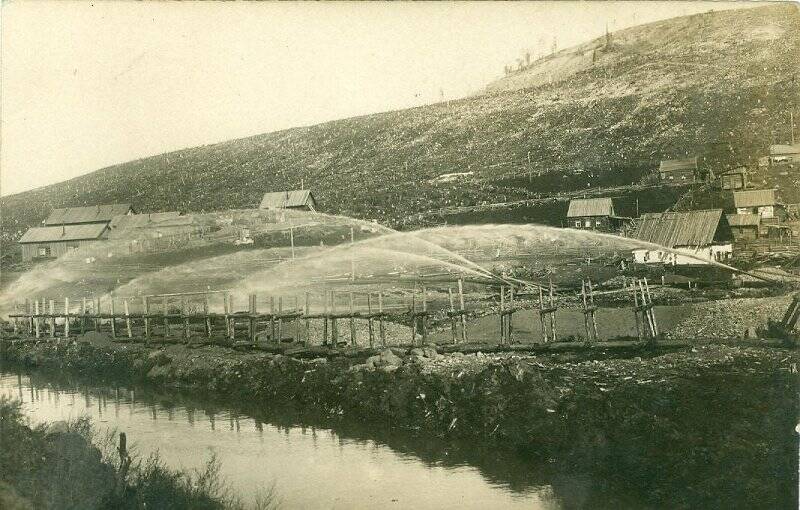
{"x":729,"y":318}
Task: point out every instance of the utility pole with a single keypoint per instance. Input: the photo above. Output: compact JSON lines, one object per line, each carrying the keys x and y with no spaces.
{"x":352,"y":255}
{"x":530,"y":172}
{"x":791,"y":123}
{"x":291,"y":240}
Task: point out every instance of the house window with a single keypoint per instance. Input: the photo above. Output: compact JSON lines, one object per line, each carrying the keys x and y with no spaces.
{"x":597,"y":223}
{"x":577,"y":223}
{"x":587,"y":223}
{"x":43,"y":251}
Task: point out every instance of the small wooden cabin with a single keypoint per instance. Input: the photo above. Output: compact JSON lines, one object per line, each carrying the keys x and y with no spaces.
{"x":591,"y":214}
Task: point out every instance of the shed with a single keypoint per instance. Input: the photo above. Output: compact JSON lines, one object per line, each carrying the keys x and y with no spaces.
{"x":680,"y":170}
{"x":52,"y":242}
{"x":734,"y":179}
{"x":301,"y":199}
{"x":90,"y":214}
{"x":744,"y":227}
{"x":688,"y":237}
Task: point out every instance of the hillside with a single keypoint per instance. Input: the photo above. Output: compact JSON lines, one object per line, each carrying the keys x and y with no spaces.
{"x":663,"y":90}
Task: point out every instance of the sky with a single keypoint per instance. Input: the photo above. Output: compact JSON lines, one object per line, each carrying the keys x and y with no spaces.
{"x":86,"y":85}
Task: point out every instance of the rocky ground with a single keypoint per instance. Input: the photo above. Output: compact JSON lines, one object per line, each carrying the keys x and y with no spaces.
{"x":730,"y":318}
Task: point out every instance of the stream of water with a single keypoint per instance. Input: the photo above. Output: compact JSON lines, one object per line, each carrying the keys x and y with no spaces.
{"x":348,"y":468}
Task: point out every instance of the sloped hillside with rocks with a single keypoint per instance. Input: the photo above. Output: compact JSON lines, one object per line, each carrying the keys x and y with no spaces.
{"x":664,"y":90}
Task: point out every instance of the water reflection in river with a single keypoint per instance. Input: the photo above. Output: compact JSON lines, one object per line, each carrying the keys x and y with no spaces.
{"x":311,"y":467}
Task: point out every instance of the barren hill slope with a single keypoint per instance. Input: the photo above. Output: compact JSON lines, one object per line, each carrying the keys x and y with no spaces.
{"x":668,"y":89}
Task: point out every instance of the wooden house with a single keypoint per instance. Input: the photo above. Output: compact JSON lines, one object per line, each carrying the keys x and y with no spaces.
{"x":678,"y":170}
{"x":593,"y":214}
{"x":689,"y":238}
{"x":744,"y":227}
{"x":55,"y":241}
{"x":759,"y":201}
{"x":301,"y":200}
{"x":784,"y":154}
{"x":69,"y":228}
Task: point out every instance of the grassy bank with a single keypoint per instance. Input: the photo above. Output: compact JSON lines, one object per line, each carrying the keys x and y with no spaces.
{"x":70,"y":466}
{"x":710,"y":427}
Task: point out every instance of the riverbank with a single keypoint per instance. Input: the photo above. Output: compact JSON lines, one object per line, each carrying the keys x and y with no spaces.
{"x":650,"y":423}
{"x":68,"y":465}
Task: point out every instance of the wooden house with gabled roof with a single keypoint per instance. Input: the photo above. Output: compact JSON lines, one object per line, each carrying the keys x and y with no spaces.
{"x":70,"y":228}
{"x":55,"y":241}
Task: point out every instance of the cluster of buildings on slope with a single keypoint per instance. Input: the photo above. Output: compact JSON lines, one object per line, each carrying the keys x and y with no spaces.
{"x":71,"y":228}
{"x":689,"y":170}
{"x":689,"y":236}
{"x":695,"y":236}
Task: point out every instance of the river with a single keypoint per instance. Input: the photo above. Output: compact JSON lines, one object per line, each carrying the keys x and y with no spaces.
{"x":351,"y":467}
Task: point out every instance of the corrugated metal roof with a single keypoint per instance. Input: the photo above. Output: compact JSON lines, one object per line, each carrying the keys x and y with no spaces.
{"x":142,"y":220}
{"x":669,"y":165}
{"x":744,"y":220}
{"x":754,"y":198}
{"x":590,"y":207}
{"x":91,"y":214}
{"x":284,"y":199}
{"x":63,"y":233}
{"x":781,"y":150}
{"x":671,"y":229}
